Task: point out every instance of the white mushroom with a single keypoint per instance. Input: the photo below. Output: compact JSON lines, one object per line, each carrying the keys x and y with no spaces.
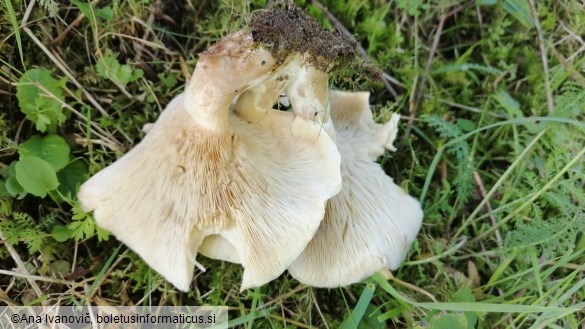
{"x":371,"y":223}
{"x":204,"y":171}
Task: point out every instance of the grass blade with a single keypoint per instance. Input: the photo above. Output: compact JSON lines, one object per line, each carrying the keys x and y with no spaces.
{"x":16,"y":28}
{"x":354,"y":318}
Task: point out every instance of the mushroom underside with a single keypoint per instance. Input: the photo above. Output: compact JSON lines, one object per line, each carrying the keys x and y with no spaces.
{"x":183,"y":183}
{"x":368,"y":226}
{"x":371,"y":223}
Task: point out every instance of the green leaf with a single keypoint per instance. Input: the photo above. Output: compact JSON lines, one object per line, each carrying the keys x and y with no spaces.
{"x":72,"y":176}
{"x":371,"y":319}
{"x":413,"y":7}
{"x":52,"y":149}
{"x":51,"y":6}
{"x":554,"y":236}
{"x":89,"y":12}
{"x":13,"y":188}
{"x":509,"y":103}
{"x":492,"y":307}
{"x":169,"y":81}
{"x":465,"y":294}
{"x":520,"y":9}
{"x":83,"y":226}
{"x":3,"y":191}
{"x":76,"y":229}
{"x":5,"y":207}
{"x":40,"y":97}
{"x":61,"y":233}
{"x":36,"y":176}
{"x":12,"y":185}
{"x":486,"y":2}
{"x":61,"y":267}
{"x":449,"y":321}
{"x":466,"y":125}
{"x":102,"y":234}
{"x":85,"y":9}
{"x":463,"y":67}
{"x":106,"y":13}
{"x":109,"y":67}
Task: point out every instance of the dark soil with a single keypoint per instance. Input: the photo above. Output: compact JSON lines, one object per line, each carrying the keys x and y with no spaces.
{"x":286,"y":28}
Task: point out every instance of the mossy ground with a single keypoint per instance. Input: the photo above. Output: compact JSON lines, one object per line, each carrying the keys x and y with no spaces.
{"x":492,"y":143}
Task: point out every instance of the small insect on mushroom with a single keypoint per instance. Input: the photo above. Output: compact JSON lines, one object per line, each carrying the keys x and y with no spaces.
{"x":206,"y":171}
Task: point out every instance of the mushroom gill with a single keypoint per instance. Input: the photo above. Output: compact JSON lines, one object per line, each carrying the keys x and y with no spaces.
{"x":372,"y":222}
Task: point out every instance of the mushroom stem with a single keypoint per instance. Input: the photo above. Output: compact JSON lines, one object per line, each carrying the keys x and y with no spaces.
{"x":227,"y":68}
{"x":206,"y":101}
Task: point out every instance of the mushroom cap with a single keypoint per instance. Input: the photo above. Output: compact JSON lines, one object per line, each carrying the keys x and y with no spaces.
{"x":203,"y":170}
{"x":371,"y":223}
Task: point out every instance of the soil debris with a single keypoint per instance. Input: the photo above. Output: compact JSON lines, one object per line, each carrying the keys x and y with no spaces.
{"x":285,"y":28}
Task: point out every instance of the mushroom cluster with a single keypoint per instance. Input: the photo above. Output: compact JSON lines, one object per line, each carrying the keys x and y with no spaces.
{"x":223,"y":173}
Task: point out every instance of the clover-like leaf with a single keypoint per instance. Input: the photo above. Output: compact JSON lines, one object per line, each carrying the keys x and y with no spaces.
{"x":53,"y":149}
{"x":36,"y":176}
{"x":109,"y":67}
{"x":40,"y":97}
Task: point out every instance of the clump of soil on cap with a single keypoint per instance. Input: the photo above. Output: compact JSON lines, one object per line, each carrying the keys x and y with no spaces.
{"x":286,"y":28}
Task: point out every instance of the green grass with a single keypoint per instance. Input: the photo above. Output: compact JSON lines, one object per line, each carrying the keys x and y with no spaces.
{"x":494,"y":152}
